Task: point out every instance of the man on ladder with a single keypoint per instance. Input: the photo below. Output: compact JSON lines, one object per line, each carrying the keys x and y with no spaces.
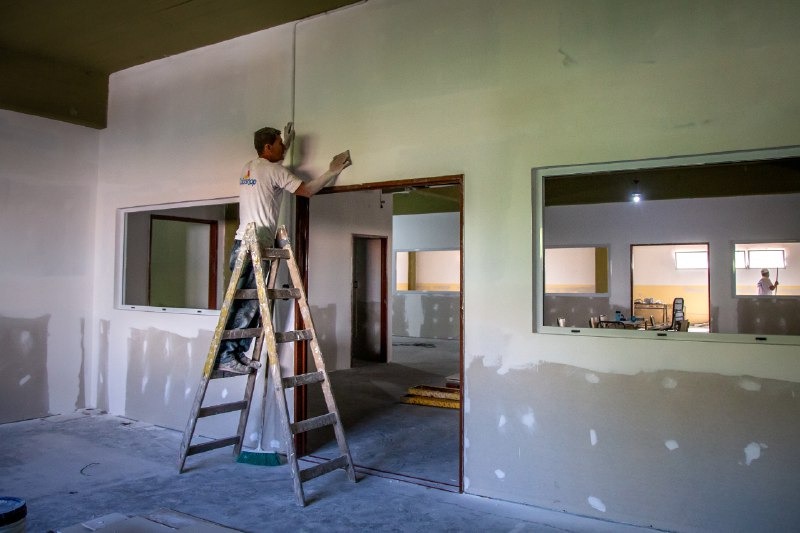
{"x":260,"y":192}
{"x":250,"y":295}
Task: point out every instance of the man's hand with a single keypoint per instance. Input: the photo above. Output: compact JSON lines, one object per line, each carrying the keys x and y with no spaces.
{"x":288,"y":134}
{"x":340,"y":162}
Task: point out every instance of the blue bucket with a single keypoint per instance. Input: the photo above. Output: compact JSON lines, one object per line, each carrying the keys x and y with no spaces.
{"x":12,"y":514}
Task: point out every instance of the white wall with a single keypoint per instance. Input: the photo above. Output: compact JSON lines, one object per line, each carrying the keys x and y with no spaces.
{"x":490,"y":91}
{"x":48,"y":180}
{"x":429,"y":315}
{"x":180,"y":129}
{"x":335,"y":218}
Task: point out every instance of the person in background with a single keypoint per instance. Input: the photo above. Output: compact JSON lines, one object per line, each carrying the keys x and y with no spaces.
{"x":765,"y":285}
{"x":261,"y":185}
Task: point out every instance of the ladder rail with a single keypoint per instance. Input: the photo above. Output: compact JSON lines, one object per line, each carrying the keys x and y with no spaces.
{"x":319,"y":361}
{"x":211,"y":357}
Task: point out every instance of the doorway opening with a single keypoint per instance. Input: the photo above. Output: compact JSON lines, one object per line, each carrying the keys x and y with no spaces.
{"x":379,"y":342}
{"x":369,"y":311}
{"x":666,"y":275}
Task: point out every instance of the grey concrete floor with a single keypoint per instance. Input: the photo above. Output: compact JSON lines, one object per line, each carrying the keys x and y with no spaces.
{"x":386,"y":436}
{"x":73,"y":468}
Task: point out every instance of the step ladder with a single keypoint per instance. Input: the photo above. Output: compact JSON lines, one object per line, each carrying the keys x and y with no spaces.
{"x":266,"y":294}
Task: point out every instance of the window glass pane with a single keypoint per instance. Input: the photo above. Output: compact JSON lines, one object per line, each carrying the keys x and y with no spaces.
{"x":766,"y":259}
{"x":691,"y":260}
{"x":176,"y":256}
{"x":782,"y":259}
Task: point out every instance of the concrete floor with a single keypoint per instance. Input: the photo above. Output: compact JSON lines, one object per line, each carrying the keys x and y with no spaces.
{"x":70,"y":469}
{"x":387,"y":437}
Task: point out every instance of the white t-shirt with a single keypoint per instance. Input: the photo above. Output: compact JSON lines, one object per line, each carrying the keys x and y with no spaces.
{"x":763,"y":286}
{"x":261,"y":187}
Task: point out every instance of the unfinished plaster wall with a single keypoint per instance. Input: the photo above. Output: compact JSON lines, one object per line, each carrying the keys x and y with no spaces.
{"x":48,"y":179}
{"x":180,"y":129}
{"x":494,"y":90}
{"x":667,"y":441}
{"x":335,"y":218}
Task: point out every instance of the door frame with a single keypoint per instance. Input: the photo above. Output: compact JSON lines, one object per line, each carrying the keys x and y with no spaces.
{"x":301,"y":244}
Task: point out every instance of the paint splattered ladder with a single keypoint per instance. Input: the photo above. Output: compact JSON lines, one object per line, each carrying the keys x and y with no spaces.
{"x":266,"y":293}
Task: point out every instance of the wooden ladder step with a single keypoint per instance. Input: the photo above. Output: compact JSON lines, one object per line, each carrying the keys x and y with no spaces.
{"x":220,"y":374}
{"x":324,"y":468}
{"x":290,"y":293}
{"x":249,"y":333}
{"x":293,"y":336}
{"x":212,"y":410}
{"x":303,"y":379}
{"x":274,"y":253}
{"x":212,"y":445}
{"x":313,"y":423}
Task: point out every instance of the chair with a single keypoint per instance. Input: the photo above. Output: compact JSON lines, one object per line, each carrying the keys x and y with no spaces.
{"x":683,"y":325}
{"x":678,"y":314}
{"x":678,"y":310}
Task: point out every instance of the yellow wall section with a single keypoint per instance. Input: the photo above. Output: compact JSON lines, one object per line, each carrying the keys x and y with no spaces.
{"x":695,"y":299}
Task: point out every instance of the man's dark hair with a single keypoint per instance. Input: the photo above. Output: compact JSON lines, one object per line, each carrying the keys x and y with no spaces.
{"x":263,"y":137}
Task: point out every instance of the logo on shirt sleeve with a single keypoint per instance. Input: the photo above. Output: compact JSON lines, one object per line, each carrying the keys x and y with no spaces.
{"x":247,"y":180}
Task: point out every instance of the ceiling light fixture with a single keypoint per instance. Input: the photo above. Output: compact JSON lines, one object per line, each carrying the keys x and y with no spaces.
{"x":636,"y":197}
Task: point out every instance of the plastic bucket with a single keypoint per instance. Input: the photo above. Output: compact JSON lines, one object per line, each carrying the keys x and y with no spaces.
{"x":12,"y":514}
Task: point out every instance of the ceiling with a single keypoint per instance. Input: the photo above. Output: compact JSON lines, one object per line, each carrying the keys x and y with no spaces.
{"x":56,"y":55}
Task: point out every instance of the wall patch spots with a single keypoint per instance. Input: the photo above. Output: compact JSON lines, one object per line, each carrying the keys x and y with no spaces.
{"x":501,"y":423}
{"x":752,"y":452}
{"x":592,"y":378}
{"x":187,"y":391}
{"x":529,"y":420}
{"x":224,"y":393}
{"x":597,"y":503}
{"x":593,"y":437}
{"x":24,"y":380}
{"x":671,"y":445}
{"x":669,"y":383}
{"x":167,"y":389}
{"x":750,"y":385}
{"x":500,"y":474}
